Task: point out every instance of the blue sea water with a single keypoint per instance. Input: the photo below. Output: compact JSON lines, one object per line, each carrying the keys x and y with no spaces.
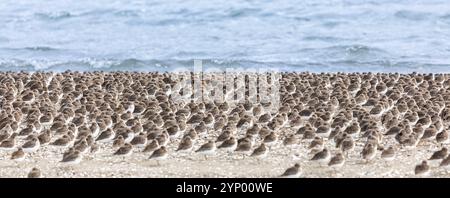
{"x":315,"y":35}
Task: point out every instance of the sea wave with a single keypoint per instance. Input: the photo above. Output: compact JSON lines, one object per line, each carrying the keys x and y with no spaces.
{"x":412,"y":15}
{"x":385,"y":35}
{"x":54,"y":15}
{"x":40,"y":48}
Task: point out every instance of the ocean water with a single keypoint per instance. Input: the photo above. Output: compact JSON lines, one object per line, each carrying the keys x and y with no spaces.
{"x":161,"y":35}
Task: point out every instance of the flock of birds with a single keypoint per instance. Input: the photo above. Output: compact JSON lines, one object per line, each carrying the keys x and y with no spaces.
{"x":332,"y":113}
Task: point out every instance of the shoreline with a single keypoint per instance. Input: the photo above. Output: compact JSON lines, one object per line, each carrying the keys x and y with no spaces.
{"x":219,"y":71}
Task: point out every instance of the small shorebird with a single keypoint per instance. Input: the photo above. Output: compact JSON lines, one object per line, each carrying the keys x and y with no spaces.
{"x":118,"y":142}
{"x":64,"y":141}
{"x":139,"y":141}
{"x":45,"y":137}
{"x":105,"y":136}
{"x":94,"y":148}
{"x":163,"y":138}
{"x":192,"y":134}
{"x":369,"y":152}
{"x":292,"y":172}
{"x":9,"y":144}
{"x":228,"y":145}
{"x":223,"y":136}
{"x":125,"y":150}
{"x":337,"y":161}
{"x":308,"y":134}
{"x":316,"y":144}
{"x":159,"y":154}
{"x":152,"y":146}
{"x":31,"y":146}
{"x":388,"y":154}
{"x":323,"y":130}
{"x":185,"y":145}
{"x":72,"y":158}
{"x":70,"y":151}
{"x":260,"y":152}
{"x":208,"y":148}
{"x":244,"y":146}
{"x":322,"y":156}
{"x":347,"y":144}
{"x":422,"y":169}
{"x":18,"y":155}
{"x":271,"y":139}
{"x":290,"y":141}
{"x":353,"y":129}
{"x":443,"y":137}
{"x":440,"y":154}
{"x":445,"y":162}
{"x":34,"y":173}
{"x":82,"y":146}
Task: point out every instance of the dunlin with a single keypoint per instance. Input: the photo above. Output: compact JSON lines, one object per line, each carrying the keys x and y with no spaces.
{"x":34,"y":173}
{"x":292,"y":172}
{"x":125,"y":150}
{"x":18,"y":155}
{"x":151,"y":146}
{"x":422,"y":169}
{"x":185,"y":145}
{"x":208,"y":148}
{"x":159,"y":154}
{"x":73,"y":158}
{"x":31,"y":146}
{"x":228,"y":145}
{"x":337,"y":161}
{"x":261,"y":151}
{"x":322,"y":156}
{"x":388,"y":154}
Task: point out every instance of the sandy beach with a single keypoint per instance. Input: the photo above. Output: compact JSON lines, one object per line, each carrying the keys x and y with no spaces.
{"x":414,"y":103}
{"x":104,"y":165}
